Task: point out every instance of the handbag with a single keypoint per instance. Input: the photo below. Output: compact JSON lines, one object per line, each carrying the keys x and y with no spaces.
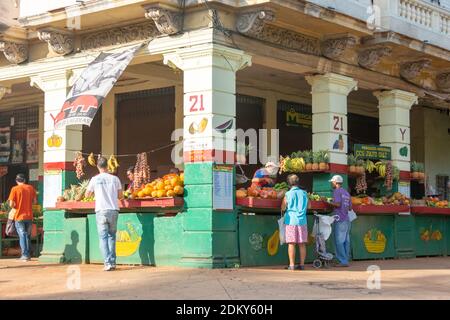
{"x":10,"y":229}
{"x":282,"y":230}
{"x":352,"y":215}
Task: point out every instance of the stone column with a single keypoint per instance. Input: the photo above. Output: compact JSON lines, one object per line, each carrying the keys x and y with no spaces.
{"x":209,"y":237}
{"x":329,"y":127}
{"x":394,"y":109}
{"x":59,"y":151}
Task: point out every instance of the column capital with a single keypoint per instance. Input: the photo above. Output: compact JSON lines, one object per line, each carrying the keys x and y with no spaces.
{"x":4,"y":91}
{"x":15,"y":52}
{"x":209,"y":55}
{"x":332,"y":82}
{"x":396,"y":99}
{"x":52,"y":80}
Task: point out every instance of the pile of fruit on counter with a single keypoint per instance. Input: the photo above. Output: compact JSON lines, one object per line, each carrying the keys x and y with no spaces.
{"x":395,"y":199}
{"x":436,"y":203}
{"x":316,"y":197}
{"x":304,"y":161}
{"x":170,"y":185}
{"x":263,"y":193}
{"x":4,"y":209}
{"x":76,"y":192}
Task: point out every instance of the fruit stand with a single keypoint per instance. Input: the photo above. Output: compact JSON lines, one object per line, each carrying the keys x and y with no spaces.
{"x":149,"y":229}
{"x":432,"y":223}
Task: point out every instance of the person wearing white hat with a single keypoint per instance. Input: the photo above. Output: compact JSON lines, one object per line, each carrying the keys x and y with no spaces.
{"x":265,"y":177}
{"x":342,"y":205}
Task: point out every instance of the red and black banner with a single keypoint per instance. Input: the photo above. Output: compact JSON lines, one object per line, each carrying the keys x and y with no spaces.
{"x":91,"y":88}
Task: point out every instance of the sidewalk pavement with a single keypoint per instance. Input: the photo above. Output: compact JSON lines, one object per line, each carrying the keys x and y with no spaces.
{"x":421,"y":278}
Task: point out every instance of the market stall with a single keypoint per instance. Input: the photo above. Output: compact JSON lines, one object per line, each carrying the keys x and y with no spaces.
{"x":148,"y":217}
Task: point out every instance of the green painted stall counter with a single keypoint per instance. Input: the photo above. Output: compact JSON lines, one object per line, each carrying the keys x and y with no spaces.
{"x":372,"y":237}
{"x":259,"y":246}
{"x":142,"y":239}
{"x":430,"y":235}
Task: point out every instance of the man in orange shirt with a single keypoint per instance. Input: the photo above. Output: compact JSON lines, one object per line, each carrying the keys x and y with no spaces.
{"x":22,"y":197}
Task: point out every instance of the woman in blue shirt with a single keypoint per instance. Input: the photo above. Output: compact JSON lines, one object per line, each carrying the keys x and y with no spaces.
{"x":295,"y":205}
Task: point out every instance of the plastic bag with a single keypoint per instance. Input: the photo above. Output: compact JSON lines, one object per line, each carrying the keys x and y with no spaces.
{"x":352,"y":215}
{"x":10,"y":229}
{"x":282,"y":230}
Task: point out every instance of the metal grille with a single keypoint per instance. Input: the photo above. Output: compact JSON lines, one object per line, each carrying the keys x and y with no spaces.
{"x":145,"y":94}
{"x":442,"y":186}
{"x":240,"y":98}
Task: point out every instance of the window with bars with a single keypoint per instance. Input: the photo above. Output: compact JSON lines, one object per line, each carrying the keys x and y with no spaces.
{"x":20,"y":120}
{"x":442,"y":186}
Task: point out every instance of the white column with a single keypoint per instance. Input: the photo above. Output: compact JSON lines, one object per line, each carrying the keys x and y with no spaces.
{"x":329,"y":108}
{"x":59,"y":152}
{"x":209,"y":99}
{"x":394,"y":108}
{"x":270,"y":120}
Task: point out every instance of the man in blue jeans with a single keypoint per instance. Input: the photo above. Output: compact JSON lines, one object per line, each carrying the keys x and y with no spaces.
{"x":342,"y":204}
{"x":108,"y":190}
{"x":22,"y":198}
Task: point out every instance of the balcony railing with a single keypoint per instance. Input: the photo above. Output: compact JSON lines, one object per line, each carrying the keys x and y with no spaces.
{"x":424,"y":14}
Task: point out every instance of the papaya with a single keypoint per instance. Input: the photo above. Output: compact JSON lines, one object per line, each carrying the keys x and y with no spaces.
{"x":273,"y":243}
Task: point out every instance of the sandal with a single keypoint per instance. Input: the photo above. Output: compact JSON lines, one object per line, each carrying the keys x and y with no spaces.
{"x":300,"y":267}
{"x":290,"y":268}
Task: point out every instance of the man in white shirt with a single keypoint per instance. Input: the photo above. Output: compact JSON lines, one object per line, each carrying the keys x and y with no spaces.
{"x":107,"y":189}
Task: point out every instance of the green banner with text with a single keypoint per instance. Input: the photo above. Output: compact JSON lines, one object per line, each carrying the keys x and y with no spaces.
{"x":364,"y":151}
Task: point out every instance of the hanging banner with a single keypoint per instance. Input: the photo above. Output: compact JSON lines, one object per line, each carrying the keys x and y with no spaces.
{"x":5,"y":144}
{"x":32,"y":145}
{"x":91,"y":88}
{"x":17,"y":152}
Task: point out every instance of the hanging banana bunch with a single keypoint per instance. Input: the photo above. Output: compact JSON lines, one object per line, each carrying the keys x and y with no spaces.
{"x":91,"y":160}
{"x":381,"y":168}
{"x":113,"y":164}
{"x":370,"y":166}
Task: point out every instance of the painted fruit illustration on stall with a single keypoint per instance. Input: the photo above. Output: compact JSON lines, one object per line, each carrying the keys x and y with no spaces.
{"x":54,"y":141}
{"x":198,"y":127}
{"x":225,"y":126}
{"x":273,"y":243}
{"x":403,"y":151}
{"x":127,"y":241}
{"x":256,"y":241}
{"x":339,"y":143}
{"x":430,"y":235}
{"x":375,"y":241}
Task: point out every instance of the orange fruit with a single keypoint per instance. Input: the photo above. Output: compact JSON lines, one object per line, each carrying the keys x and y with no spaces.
{"x":178,"y":190}
{"x":155,"y":194}
{"x":141,"y":194}
{"x":167,"y":182}
{"x":161,"y":193}
{"x":148,"y":185}
{"x":182,"y":176}
{"x":167,"y":188}
{"x":160,"y":185}
{"x":170,"y":193}
{"x":175,"y":181}
{"x":148,"y":191}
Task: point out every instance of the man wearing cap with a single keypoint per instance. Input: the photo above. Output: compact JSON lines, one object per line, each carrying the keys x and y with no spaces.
{"x":265,"y":177}
{"x":22,"y":198}
{"x":342,"y":204}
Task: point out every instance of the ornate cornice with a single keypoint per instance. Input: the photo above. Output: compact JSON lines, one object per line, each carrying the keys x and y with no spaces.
{"x":334,"y":48}
{"x":119,"y":35}
{"x":252,"y":23}
{"x":369,"y":58}
{"x":411,"y":69}
{"x":3,"y":91}
{"x":443,"y":80}
{"x":14,"y":52}
{"x":60,"y":42}
{"x":167,"y":21}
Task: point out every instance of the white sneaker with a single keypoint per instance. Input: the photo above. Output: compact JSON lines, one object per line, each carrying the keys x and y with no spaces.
{"x":107,"y":268}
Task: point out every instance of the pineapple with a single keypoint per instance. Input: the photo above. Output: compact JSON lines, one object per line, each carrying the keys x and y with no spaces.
{"x":81,"y":190}
{"x":351,"y":161}
{"x":316,"y":159}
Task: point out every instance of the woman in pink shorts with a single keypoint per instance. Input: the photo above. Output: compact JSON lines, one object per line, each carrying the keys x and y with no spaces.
{"x":295,"y":205}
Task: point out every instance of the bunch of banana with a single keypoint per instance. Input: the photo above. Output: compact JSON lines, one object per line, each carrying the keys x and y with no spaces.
{"x":91,"y":160}
{"x":381,"y":168}
{"x":123,"y":236}
{"x":370,"y":166}
{"x":297,"y":164}
{"x":113,"y":164}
